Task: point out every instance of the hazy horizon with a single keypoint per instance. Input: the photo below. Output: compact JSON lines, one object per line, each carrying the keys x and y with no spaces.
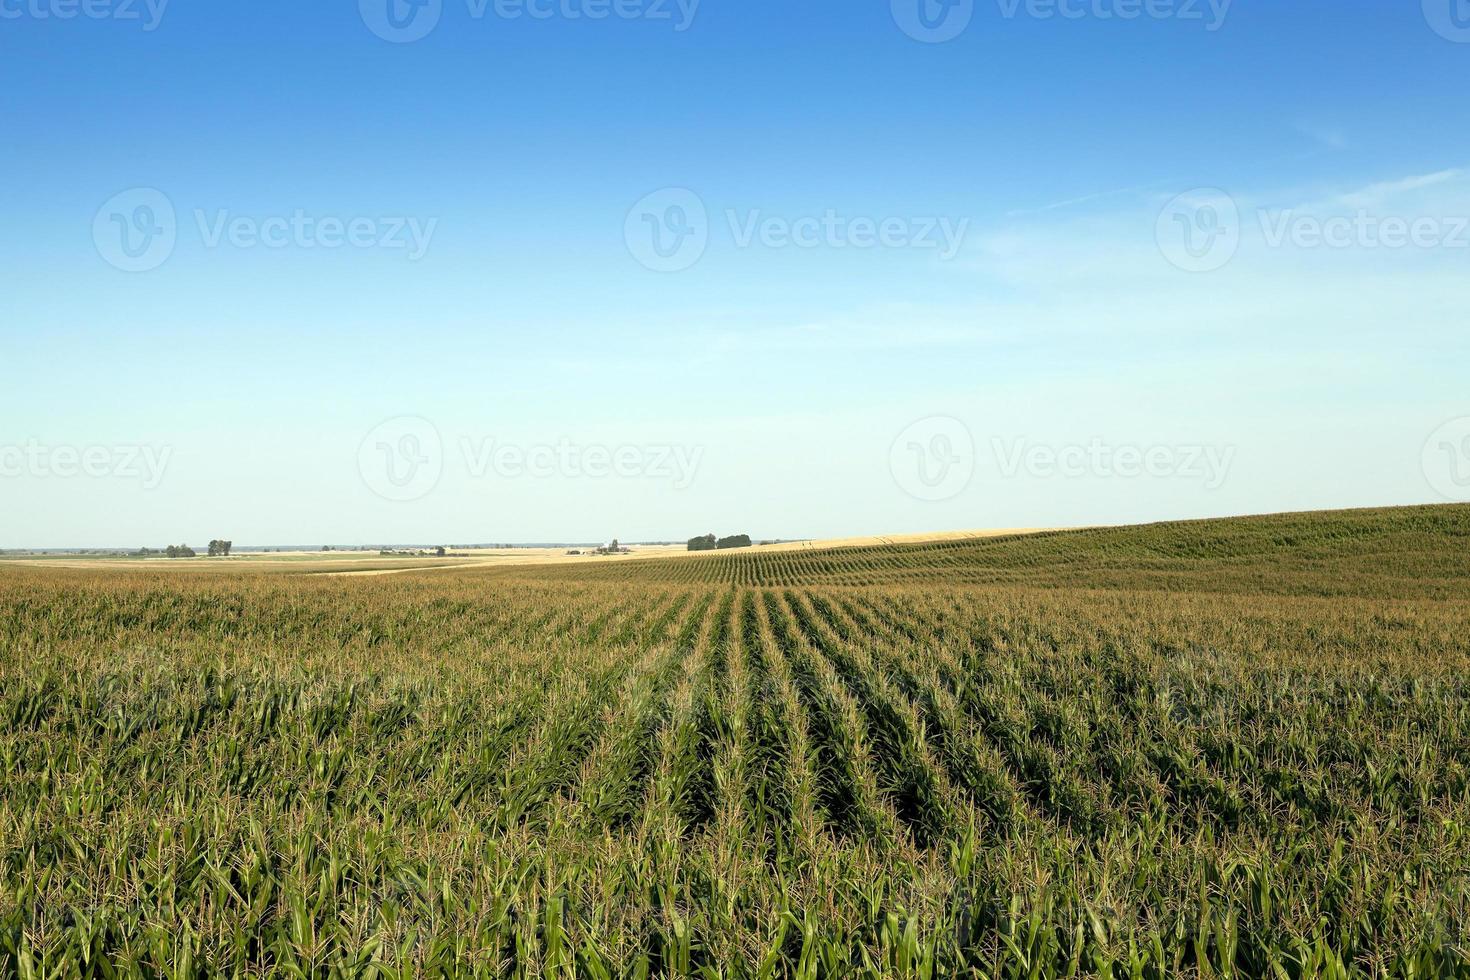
{"x":509,"y":542}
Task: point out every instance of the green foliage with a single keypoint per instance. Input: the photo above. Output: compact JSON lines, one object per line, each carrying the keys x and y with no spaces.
{"x":709,"y":542}
{"x":1232,"y":749}
{"x":1409,"y":552}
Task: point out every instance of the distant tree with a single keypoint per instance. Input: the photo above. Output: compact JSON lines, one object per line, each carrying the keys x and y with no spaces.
{"x":735,"y":541}
{"x":220,"y":548}
{"x":439,"y":551}
{"x":706,"y":542}
{"x":179,"y":551}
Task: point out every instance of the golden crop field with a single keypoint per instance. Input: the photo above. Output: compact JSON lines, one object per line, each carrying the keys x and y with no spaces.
{"x":1235,"y":748}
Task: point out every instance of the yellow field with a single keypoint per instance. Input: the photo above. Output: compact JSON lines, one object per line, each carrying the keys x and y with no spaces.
{"x":372,"y":563}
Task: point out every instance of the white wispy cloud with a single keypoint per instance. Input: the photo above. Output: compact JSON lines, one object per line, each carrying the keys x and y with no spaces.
{"x":1379,"y":194}
{"x":1072,"y":280}
{"x":1326,"y":137}
{"x":1077,"y":201}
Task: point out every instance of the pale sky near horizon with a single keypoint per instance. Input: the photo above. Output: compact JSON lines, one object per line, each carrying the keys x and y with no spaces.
{"x":364,"y":271}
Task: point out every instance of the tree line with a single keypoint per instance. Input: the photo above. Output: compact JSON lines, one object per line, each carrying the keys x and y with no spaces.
{"x":218,"y":548}
{"x":708,"y":542}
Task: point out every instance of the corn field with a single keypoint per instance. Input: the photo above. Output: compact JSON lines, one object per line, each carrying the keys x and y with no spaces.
{"x":1231,"y":749}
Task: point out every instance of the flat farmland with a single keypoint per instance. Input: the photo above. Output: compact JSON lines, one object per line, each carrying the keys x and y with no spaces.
{"x":1226,"y":748}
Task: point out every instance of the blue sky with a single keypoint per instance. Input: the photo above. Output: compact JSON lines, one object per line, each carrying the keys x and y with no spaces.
{"x":1025,"y":320}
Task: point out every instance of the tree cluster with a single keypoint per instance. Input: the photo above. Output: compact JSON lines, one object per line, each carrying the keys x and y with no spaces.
{"x":220,"y":549}
{"x":708,"y":542}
